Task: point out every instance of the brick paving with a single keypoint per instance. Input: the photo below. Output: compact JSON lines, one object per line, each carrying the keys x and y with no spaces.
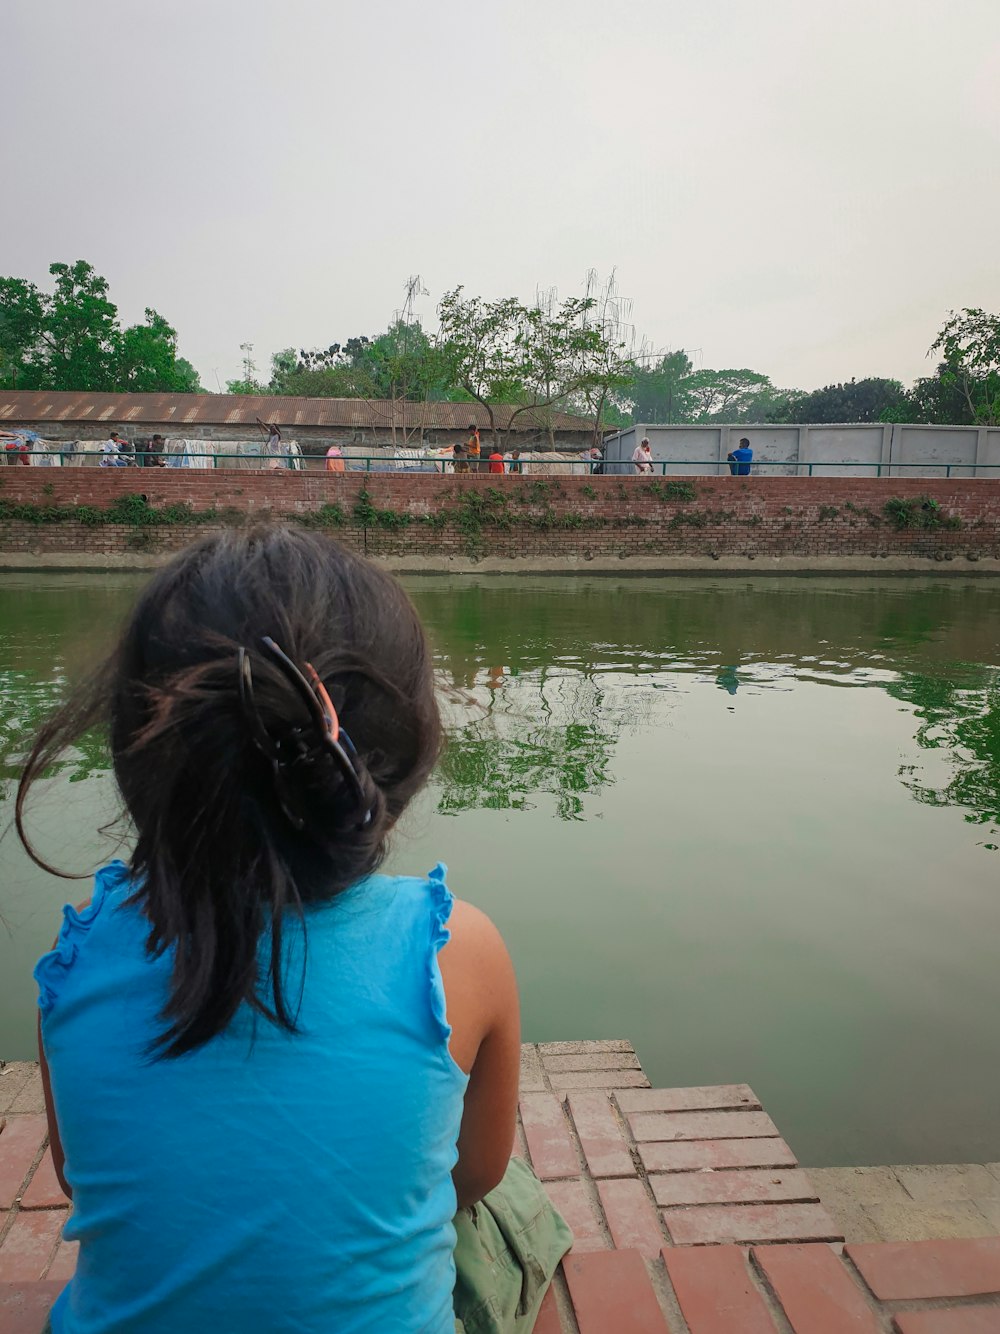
{"x":912,"y":1203}
{"x":691,"y":1215}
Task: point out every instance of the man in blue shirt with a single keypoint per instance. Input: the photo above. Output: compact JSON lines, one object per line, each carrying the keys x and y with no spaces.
{"x":740,"y":459}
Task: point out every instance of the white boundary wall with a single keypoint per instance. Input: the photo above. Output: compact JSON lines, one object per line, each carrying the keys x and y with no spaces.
{"x":852,"y":450}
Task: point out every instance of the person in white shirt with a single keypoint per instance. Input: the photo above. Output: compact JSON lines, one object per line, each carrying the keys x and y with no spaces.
{"x":126,"y":450}
{"x":642,"y":458}
{"x":111,"y":453}
{"x":275,"y":451}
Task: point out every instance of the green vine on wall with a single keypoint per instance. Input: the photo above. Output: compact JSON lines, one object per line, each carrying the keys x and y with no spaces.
{"x":673,"y":490}
{"x":131,"y":511}
{"x":472,"y":512}
{"x":918,"y":512}
{"x":368,"y":515}
{"x":325,"y":517}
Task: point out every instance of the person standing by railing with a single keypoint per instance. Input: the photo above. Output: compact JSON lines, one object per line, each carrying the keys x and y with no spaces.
{"x":642,"y":457}
{"x":275,"y":453}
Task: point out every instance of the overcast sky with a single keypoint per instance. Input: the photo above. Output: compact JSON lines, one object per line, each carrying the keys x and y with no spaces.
{"x":801,"y":188}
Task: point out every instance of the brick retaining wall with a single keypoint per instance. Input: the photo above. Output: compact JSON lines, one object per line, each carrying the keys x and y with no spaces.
{"x":455,"y":521}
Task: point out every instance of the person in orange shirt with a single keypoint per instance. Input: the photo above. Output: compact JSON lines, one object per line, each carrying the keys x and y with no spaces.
{"x":472,"y":448}
{"x":496,"y":462}
{"x":334,"y":460}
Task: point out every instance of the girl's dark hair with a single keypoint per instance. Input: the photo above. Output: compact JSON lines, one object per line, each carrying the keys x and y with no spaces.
{"x":219,"y":858}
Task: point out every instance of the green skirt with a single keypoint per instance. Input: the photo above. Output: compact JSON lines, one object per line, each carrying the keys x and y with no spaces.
{"x":508,"y":1248}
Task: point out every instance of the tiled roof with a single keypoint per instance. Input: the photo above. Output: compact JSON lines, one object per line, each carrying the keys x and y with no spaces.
{"x":17,"y":406}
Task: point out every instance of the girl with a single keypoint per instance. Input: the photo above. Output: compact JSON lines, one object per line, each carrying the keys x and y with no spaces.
{"x":271,"y":1073}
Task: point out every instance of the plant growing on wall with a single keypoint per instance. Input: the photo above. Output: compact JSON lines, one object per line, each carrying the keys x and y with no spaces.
{"x":918,"y":512}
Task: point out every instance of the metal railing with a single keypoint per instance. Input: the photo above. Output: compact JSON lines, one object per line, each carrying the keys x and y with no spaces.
{"x":795,"y":469}
{"x":251,"y":462}
{"x":580,"y":467}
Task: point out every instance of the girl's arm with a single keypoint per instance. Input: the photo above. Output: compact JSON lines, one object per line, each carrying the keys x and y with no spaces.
{"x":483,"y":1010}
{"x":55,"y":1143}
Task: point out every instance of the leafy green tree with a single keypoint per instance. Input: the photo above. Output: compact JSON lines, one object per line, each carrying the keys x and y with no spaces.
{"x":937,"y":400}
{"x":659,"y":393}
{"x":147,"y":359}
{"x":71,"y":339}
{"x":734,"y":396}
{"x":969,"y":342}
{"x":21,"y":316}
{"x":534,"y":357}
{"x":673,"y":391}
{"x":188,"y":378}
{"x":302,"y":379}
{"x":401,"y":363}
{"x":869,"y":400}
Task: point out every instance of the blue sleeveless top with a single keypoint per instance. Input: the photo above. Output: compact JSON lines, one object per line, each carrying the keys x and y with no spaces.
{"x":266,"y":1181}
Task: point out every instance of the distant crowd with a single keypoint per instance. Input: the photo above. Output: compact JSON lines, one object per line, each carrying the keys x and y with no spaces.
{"x":465,"y":457}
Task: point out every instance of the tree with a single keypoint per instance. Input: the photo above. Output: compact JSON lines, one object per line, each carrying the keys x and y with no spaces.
{"x":673,"y":391}
{"x":533,"y":357}
{"x":147,"y":360}
{"x":71,"y":339}
{"x":734,"y":396}
{"x":248,"y":383}
{"x":315,"y":374}
{"x":659,"y":393}
{"x":21,"y":316}
{"x":611,"y":358}
{"x":970,"y":344}
{"x":189,"y":377}
{"x":870,"y":400}
{"x":401,"y":363}
{"x":937,"y":400}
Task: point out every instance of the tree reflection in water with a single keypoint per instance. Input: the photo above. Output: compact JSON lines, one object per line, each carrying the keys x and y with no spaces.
{"x":585,"y":662}
{"x":25,"y":703}
{"x":963,"y":720}
{"x":547,"y":733}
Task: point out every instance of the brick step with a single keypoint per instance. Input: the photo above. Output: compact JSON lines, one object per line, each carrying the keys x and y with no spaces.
{"x":24,"y":1306}
{"x":643,"y":1168}
{"x":807,"y":1289}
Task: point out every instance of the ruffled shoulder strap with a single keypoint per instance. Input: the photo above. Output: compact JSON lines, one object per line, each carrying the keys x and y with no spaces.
{"x":441,"y":901}
{"x":52,"y":968}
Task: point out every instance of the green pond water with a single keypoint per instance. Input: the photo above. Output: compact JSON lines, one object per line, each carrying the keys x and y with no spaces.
{"x":750,"y":825}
